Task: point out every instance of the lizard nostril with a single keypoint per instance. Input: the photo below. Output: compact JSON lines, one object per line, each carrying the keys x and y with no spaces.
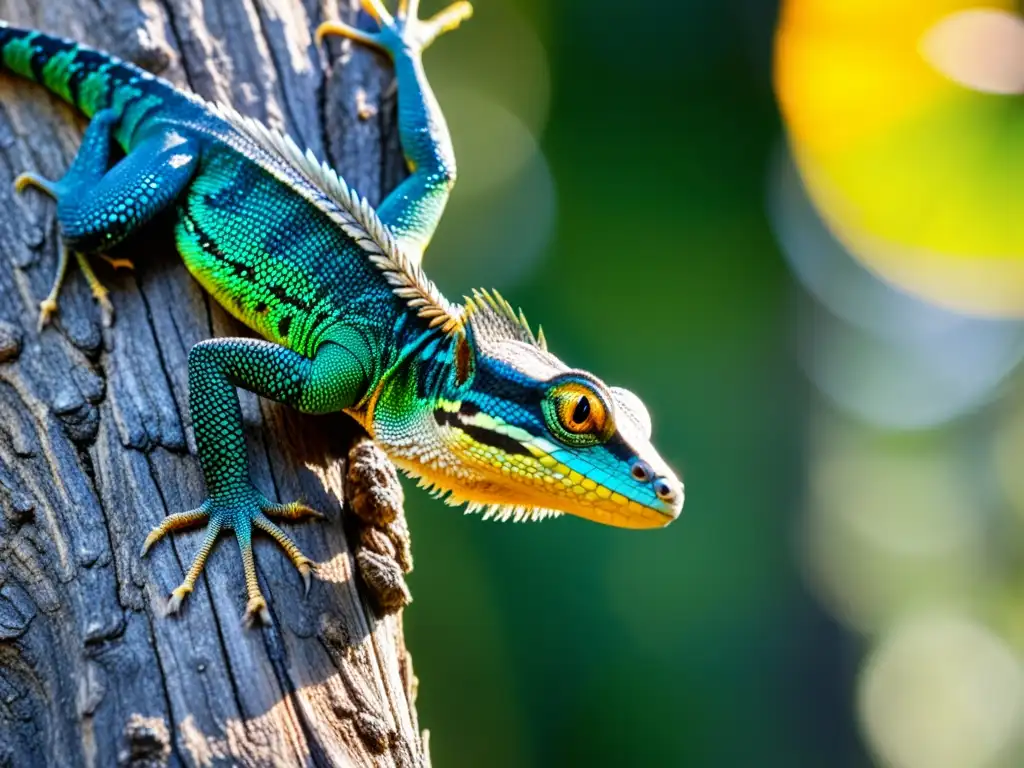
{"x":641,"y":472}
{"x":664,"y":490}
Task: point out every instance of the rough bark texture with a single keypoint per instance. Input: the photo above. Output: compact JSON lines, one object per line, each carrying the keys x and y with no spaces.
{"x":96,"y":447}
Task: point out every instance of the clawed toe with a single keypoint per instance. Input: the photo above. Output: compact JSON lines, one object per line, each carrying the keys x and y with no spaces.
{"x":404,"y":31}
{"x":256,"y":610}
{"x":47,"y":308}
{"x":177,"y":598}
{"x":295,"y":510}
{"x":307,"y":569}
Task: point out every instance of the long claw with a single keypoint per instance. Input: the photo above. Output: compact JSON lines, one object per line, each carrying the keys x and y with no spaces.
{"x":306,"y":569}
{"x":256,"y":609}
{"x":416,"y":34}
{"x":177,"y":598}
{"x":185,"y":588}
{"x":47,"y":308}
{"x":243,"y":518}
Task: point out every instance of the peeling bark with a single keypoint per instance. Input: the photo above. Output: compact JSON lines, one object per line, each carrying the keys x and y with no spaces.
{"x":96,"y":447}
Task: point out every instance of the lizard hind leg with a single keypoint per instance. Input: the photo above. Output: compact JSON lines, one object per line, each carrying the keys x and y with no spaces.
{"x":99,"y":207}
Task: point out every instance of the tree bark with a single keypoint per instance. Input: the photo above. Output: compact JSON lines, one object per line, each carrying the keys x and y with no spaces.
{"x":96,"y":447}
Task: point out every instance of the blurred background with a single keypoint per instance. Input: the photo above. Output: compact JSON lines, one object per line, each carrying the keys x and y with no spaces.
{"x":796,"y":230}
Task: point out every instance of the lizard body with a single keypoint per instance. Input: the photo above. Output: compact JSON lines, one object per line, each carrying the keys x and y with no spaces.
{"x":466,"y":398}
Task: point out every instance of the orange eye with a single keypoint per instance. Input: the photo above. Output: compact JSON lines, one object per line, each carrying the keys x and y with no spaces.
{"x":579,"y":409}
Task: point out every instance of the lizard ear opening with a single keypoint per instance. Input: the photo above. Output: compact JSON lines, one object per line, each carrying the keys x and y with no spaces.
{"x":463,"y":360}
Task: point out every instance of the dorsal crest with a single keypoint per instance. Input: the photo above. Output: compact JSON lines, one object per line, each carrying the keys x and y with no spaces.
{"x":491,"y":316}
{"x":326,"y":190}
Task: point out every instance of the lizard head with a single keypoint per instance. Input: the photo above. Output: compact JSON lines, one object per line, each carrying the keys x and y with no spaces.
{"x":505,"y":426}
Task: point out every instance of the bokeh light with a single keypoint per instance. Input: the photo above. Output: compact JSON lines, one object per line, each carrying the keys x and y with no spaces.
{"x":894,"y":205}
{"x":905,"y":124}
{"x":502,"y":212}
{"x":942,"y":691}
{"x":885,"y":356}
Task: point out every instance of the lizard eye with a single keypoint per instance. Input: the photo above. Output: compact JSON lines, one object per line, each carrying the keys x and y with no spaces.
{"x":576,"y":413}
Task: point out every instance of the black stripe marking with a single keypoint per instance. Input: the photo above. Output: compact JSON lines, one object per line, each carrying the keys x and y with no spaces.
{"x":506,"y":383}
{"x":238,"y":268}
{"x":482,"y":435}
{"x":620,"y":448}
{"x":495,"y":439}
{"x":141,"y":120}
{"x":229,"y":194}
{"x":284,"y":325}
{"x":284,"y":297}
{"x":447,"y":418}
{"x":44,"y":49}
{"x":86,"y":62}
{"x":121,"y":72}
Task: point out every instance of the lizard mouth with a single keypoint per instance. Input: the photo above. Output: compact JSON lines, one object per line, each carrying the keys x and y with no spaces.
{"x":534,"y":487}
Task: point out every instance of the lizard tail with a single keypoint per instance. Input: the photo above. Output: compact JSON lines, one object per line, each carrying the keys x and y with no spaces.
{"x":88,"y":79}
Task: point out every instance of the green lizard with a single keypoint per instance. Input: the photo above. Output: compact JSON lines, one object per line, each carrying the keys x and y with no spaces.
{"x":465,"y":398}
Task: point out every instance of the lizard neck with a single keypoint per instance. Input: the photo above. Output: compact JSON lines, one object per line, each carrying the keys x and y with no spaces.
{"x":418,"y":373}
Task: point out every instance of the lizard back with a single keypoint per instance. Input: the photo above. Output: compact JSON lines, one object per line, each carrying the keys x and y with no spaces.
{"x":277,"y":263}
{"x":275,"y":236}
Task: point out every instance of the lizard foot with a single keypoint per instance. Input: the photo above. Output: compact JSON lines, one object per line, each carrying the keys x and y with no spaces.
{"x":48,"y":306}
{"x":241,"y":517}
{"x":404,"y":33}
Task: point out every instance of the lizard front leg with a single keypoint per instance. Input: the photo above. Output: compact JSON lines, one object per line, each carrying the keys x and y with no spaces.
{"x":331,"y":381}
{"x":412,"y":211}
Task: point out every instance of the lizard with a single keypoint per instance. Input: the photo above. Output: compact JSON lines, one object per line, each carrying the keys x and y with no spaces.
{"x":464,"y":397}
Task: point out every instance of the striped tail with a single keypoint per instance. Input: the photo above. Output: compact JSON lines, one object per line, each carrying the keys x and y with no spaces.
{"x":86,"y":78}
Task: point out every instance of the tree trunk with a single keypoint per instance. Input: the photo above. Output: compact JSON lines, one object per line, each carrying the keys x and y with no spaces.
{"x":96,"y":447}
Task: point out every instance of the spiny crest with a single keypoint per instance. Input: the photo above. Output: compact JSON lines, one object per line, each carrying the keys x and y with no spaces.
{"x":499,"y":512}
{"x":492,"y":316}
{"x":358,"y":220}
